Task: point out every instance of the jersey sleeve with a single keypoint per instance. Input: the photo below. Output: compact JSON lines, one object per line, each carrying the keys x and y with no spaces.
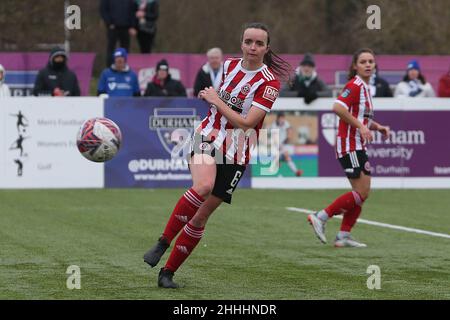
{"x":266,"y":94}
{"x":349,"y":96}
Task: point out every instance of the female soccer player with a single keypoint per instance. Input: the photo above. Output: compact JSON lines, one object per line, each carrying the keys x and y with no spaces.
{"x":220,"y":148}
{"x":355,"y":110}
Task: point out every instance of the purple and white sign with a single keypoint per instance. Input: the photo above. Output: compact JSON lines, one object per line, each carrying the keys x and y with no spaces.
{"x":153,"y":131}
{"x":418,"y":145}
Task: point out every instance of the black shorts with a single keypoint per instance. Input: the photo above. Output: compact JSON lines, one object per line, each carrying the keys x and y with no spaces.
{"x":228,"y":174}
{"x":227,"y":179}
{"x":355,"y":162}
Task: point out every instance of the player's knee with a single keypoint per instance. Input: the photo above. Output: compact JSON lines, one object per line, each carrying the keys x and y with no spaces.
{"x":364,"y":193}
{"x":204,"y":188}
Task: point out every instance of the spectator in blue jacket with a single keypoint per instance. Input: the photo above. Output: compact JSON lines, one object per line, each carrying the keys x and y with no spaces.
{"x":119,"y":80}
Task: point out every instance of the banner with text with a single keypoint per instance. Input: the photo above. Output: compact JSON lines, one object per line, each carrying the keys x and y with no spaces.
{"x":417,"y":147}
{"x":151,"y":129}
{"x":38,"y":143}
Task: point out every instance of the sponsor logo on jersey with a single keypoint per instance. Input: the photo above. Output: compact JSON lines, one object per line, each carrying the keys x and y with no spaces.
{"x":246,"y":89}
{"x":346,"y":93}
{"x":270,"y":93}
{"x":204,"y":146}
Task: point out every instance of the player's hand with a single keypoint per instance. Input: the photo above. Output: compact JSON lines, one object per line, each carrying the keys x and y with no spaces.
{"x":209,"y":94}
{"x":366,"y":134}
{"x":385,"y":131}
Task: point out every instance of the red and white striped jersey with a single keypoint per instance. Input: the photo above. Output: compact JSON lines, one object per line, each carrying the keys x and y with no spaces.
{"x":357,"y":99}
{"x":241,"y":89}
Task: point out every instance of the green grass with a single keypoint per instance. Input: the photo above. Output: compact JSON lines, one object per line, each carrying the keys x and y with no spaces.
{"x":253,"y":249}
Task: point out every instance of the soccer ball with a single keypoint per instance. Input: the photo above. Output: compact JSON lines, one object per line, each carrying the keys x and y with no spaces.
{"x":99,"y":139}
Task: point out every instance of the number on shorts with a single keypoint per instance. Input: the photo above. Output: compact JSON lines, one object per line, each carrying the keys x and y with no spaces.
{"x":235,"y":180}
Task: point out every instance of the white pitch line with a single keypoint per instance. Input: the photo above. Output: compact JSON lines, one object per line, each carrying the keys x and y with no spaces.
{"x":379,"y":224}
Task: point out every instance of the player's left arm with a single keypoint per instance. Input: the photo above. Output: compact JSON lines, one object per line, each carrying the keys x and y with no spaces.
{"x":384,"y":130}
{"x":254,"y":116}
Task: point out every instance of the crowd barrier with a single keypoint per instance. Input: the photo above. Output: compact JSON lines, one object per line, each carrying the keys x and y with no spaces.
{"x":38,"y":149}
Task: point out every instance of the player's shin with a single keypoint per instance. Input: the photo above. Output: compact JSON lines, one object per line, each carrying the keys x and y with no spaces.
{"x":184,"y":210}
{"x":184,"y":245}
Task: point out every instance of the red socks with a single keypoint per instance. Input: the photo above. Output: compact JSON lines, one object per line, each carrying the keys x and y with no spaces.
{"x":350,"y":204}
{"x":184,"y":210}
{"x":186,"y":242}
{"x":350,"y":218}
{"x":344,"y":203}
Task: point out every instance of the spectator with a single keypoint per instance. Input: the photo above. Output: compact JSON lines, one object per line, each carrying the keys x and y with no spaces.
{"x":119,"y":80}
{"x":307,"y":84}
{"x":378,"y":86}
{"x":4,"y":89}
{"x":163,"y":85}
{"x":414,"y":83}
{"x":444,"y":85}
{"x":210,"y":74}
{"x":56,"y":79}
{"x":147,"y":12}
{"x":120,"y":21}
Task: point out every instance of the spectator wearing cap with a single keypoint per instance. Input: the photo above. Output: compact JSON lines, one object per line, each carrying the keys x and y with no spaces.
{"x":444,"y":85}
{"x":56,"y":79}
{"x":414,"y":83}
{"x":307,"y":84}
{"x":4,"y":89}
{"x":119,"y":80}
{"x":163,"y":85}
{"x":210,"y":74}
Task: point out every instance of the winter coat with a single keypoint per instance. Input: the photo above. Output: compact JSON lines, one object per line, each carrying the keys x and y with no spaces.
{"x":203,"y":79}
{"x":120,"y":13}
{"x":405,"y":89}
{"x":148,"y":24}
{"x":310,"y":89}
{"x":50,"y":78}
{"x":116,"y":83}
{"x":444,"y":86}
{"x":171,"y":88}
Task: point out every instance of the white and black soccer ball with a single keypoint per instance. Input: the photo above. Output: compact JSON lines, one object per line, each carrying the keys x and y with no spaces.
{"x":99,"y":139}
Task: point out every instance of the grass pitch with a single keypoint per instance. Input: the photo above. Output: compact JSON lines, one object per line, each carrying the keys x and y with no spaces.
{"x":253,"y":249}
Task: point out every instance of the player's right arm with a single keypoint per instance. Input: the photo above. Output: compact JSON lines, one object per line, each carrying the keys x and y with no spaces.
{"x":349,"y":96}
{"x":346,"y":116}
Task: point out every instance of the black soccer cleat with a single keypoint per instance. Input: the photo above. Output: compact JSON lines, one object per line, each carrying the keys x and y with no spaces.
{"x":153,"y":255}
{"x":165,"y":279}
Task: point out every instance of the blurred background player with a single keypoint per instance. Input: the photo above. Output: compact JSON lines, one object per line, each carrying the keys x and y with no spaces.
{"x":210,"y":74}
{"x":355,"y":110}
{"x":4,"y":89}
{"x":56,"y":79}
{"x":218,"y":160}
{"x":284,"y":130}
